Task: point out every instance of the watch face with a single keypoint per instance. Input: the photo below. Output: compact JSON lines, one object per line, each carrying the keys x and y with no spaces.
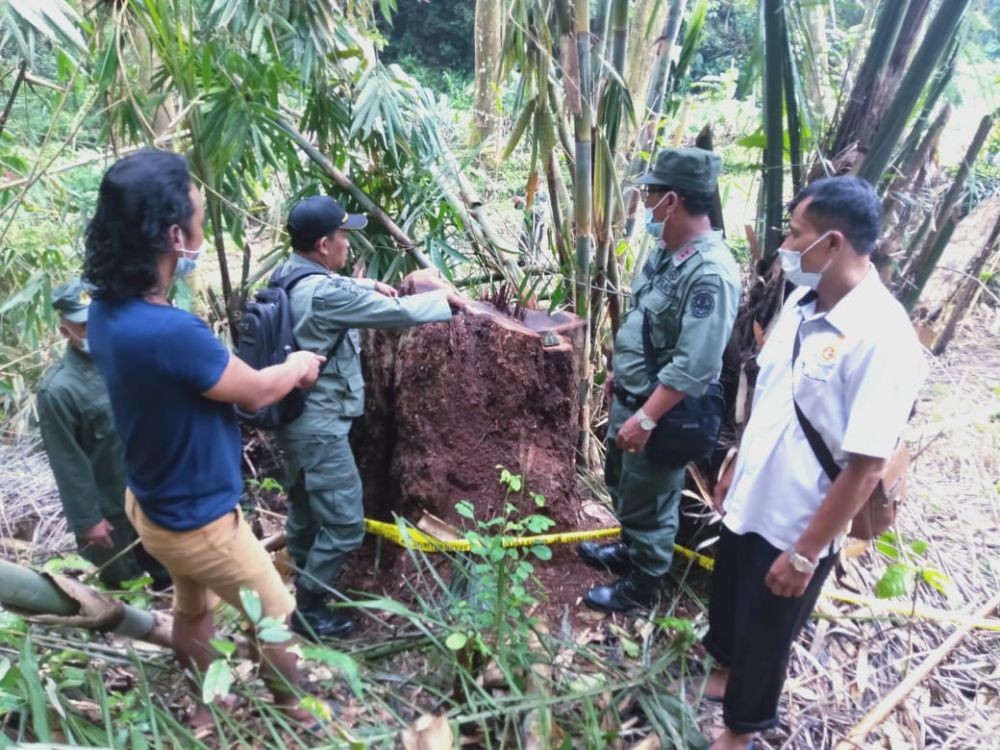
{"x":802,"y":564}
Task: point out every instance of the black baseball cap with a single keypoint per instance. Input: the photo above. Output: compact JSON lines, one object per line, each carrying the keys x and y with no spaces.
{"x":317,"y":216}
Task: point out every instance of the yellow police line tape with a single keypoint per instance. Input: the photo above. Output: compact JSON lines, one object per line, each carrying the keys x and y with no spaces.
{"x":412,"y":538}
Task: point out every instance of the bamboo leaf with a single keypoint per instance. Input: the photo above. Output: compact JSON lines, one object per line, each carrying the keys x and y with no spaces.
{"x":519,"y":127}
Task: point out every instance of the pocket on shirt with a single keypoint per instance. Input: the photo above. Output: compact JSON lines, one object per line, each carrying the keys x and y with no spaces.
{"x":102,"y":426}
{"x":663,"y":320}
{"x":821,"y":358}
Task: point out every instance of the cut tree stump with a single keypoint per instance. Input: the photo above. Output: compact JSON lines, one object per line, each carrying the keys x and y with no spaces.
{"x":449,"y":402}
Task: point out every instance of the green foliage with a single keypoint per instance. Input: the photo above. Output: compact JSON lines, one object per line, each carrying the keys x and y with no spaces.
{"x":906,"y":570}
{"x":439,"y":35}
{"x":494,"y":620}
{"x":730,"y":39}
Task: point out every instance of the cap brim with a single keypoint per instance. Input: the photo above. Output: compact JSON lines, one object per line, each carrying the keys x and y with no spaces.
{"x":354,"y":221}
{"x":650,"y":179}
{"x":80,"y":316}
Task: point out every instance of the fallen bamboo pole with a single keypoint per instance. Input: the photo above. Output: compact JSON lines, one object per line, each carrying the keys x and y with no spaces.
{"x":34,"y":595}
{"x":856,"y":737}
{"x":884,"y":608}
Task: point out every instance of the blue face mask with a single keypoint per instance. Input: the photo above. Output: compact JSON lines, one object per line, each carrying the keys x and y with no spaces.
{"x":655,"y":228}
{"x":185,"y":265}
{"x":791,"y":264}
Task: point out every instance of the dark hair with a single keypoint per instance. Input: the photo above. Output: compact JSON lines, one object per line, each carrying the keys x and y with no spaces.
{"x":140,"y":198}
{"x":695,"y":203}
{"x":847,"y":204}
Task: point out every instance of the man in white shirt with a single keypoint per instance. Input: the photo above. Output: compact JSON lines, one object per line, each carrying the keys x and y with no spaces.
{"x":847,"y":351}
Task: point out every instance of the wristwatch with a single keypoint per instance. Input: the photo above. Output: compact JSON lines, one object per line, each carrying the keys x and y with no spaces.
{"x":800,"y":562}
{"x":645,"y":422}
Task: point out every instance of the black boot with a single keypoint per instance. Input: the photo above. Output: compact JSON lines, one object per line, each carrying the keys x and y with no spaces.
{"x":637,"y":589}
{"x":610,"y":557}
{"x":312,"y":619}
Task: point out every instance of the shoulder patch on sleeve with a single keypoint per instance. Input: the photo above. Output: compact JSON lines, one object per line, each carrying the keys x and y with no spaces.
{"x":703,"y":299}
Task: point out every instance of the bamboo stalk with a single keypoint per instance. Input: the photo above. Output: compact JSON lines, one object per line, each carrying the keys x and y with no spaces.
{"x":967,"y":291}
{"x":401,"y":238}
{"x":13,"y":94}
{"x":942,"y":29}
{"x":773,"y":23}
{"x":856,"y":737}
{"x":25,"y":590}
{"x":922,"y":265}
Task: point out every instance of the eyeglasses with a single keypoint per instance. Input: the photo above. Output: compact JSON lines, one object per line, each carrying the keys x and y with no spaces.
{"x":647,"y":190}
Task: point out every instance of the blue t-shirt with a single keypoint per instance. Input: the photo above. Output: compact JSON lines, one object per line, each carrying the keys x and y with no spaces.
{"x":182,"y":450}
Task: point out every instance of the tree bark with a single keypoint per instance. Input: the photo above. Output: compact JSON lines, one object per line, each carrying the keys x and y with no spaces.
{"x":488,"y":44}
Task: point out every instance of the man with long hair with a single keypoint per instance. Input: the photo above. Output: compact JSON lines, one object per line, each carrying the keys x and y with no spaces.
{"x":172,"y":386}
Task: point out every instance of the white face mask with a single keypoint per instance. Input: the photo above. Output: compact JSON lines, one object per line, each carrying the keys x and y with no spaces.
{"x":791,"y":264}
{"x":185,"y":264}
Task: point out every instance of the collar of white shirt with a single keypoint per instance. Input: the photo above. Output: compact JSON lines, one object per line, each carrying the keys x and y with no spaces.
{"x":853,"y":312}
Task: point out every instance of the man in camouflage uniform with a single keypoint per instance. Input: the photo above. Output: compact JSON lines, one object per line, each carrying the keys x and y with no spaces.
{"x":325,"y":512}
{"x":689,"y":290}
{"x":85,"y":453}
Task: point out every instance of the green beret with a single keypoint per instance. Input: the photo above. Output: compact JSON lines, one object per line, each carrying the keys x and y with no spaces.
{"x":693,"y":169}
{"x":71,"y":301}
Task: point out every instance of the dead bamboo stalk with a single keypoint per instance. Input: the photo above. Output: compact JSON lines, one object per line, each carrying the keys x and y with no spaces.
{"x":13,"y":94}
{"x":967,"y":291}
{"x":856,"y":736}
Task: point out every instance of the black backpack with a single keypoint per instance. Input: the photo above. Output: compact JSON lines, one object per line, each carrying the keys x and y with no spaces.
{"x":267,"y":338}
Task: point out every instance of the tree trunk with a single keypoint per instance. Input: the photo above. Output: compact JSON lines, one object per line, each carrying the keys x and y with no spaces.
{"x":968,"y":291}
{"x":489,"y":43}
{"x":448,"y":402}
{"x":605,"y":239}
{"x":856,"y":110}
{"x":937,"y":40}
{"x":773,"y":24}
{"x":815,"y":63}
{"x":659,"y":79}
{"x":922,"y":264}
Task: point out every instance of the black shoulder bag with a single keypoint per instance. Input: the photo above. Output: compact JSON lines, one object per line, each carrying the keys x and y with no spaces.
{"x":689,"y":431}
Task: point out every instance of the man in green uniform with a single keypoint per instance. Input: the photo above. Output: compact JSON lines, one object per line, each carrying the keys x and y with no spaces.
{"x":85,"y":453}
{"x":689,"y":291}
{"x":325,"y":513}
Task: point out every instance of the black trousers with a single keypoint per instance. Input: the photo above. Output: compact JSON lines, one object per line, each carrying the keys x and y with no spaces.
{"x":751,"y":630}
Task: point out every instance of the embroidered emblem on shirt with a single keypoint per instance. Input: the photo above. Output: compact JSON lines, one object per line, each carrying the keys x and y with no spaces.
{"x":673,"y":273}
{"x":702,"y":303}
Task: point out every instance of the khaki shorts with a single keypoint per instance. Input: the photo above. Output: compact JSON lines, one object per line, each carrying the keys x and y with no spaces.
{"x":219,"y":558}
